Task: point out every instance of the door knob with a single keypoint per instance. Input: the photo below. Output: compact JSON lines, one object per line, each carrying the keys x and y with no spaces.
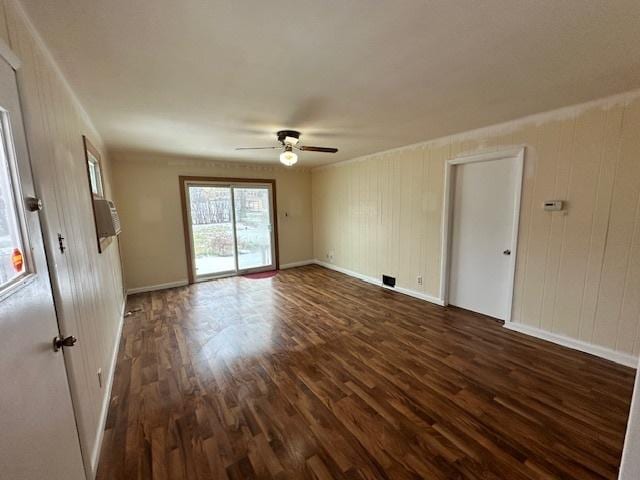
{"x":507,"y":252}
{"x":59,"y":342}
{"x":33,"y":204}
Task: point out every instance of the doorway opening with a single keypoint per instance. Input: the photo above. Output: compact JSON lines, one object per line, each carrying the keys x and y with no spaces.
{"x":480,"y":231}
{"x":230,"y":226}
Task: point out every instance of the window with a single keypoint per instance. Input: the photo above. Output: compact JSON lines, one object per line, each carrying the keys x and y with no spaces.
{"x":96,"y":187}
{"x":95,"y":177}
{"x":13,"y":257}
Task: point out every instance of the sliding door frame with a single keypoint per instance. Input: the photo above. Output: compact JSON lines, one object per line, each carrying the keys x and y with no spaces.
{"x":231,"y":181}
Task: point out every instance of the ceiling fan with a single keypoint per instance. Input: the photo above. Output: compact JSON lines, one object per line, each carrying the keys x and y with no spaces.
{"x":289,"y":140}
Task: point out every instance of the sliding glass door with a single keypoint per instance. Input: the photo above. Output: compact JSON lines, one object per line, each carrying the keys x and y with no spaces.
{"x":230,"y":228}
{"x":253,"y":227}
{"x":212,"y":232}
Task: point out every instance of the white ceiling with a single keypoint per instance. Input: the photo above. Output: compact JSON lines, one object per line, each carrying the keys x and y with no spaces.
{"x":202,"y":77}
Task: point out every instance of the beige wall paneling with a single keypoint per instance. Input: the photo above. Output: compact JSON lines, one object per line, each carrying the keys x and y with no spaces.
{"x":4,"y":32}
{"x":617,"y":312}
{"x":87,"y":285}
{"x":575,"y":248}
{"x":609,"y":160}
{"x":577,"y":273}
{"x":557,"y":225}
{"x":540,"y":223}
{"x":147,"y":195}
{"x":406,"y":247}
{"x":437,"y":158}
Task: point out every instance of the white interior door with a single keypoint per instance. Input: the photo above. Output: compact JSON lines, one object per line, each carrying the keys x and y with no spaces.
{"x":38,"y":436}
{"x":483,"y":233}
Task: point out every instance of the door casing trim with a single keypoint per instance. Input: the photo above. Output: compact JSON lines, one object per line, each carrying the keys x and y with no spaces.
{"x":517,"y":154}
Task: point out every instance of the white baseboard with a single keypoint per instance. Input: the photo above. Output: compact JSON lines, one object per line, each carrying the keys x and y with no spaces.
{"x":106,"y":400}
{"x":375,"y":281}
{"x":613,"y":355}
{"x":160,"y":286}
{"x":301,"y":263}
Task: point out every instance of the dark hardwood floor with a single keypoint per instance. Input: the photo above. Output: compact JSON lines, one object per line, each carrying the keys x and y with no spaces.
{"x":314,"y":374}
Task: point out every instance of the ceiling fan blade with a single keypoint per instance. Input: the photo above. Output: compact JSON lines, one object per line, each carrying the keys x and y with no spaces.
{"x":306,"y":148}
{"x":257,"y":148}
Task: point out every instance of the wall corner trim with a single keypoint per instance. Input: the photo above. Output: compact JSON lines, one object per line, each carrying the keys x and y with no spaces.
{"x":375,"y":281}
{"x":603,"y":352}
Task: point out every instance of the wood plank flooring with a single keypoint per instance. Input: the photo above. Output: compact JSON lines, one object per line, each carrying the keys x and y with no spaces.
{"x":313,"y":374}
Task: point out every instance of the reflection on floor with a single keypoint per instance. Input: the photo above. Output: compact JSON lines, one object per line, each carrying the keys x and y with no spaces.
{"x":313,"y":374}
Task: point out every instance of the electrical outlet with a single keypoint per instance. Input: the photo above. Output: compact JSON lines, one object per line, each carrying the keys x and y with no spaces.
{"x":100,"y":377}
{"x":419,"y":279}
{"x":330,"y":256}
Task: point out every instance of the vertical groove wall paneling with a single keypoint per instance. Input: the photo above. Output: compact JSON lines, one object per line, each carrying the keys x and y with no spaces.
{"x":578,"y":272}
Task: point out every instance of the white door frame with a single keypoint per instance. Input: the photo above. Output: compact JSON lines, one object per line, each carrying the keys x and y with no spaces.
{"x":515,"y":153}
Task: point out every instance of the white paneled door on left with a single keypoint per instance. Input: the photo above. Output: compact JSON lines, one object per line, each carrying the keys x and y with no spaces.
{"x":38,"y":435}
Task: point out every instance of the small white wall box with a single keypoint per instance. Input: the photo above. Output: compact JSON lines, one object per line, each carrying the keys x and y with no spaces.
{"x":553,"y":205}
{"x":107,"y":219}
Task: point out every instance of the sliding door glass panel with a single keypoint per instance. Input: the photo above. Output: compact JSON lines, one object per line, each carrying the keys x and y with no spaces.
{"x":253,"y":227}
{"x":211,"y":213}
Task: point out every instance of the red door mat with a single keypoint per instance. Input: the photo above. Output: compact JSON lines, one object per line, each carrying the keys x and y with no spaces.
{"x":259,"y":275}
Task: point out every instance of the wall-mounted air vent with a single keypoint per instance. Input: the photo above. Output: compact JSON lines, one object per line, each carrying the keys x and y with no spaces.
{"x":388,"y":281}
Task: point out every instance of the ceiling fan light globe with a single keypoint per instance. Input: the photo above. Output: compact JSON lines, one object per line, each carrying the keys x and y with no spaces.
{"x":288,"y":158}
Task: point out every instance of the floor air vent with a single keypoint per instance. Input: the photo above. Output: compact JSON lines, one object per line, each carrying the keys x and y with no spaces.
{"x":388,"y":281}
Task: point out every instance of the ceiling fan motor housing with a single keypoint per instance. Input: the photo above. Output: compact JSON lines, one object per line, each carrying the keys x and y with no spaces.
{"x":283,"y":134}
